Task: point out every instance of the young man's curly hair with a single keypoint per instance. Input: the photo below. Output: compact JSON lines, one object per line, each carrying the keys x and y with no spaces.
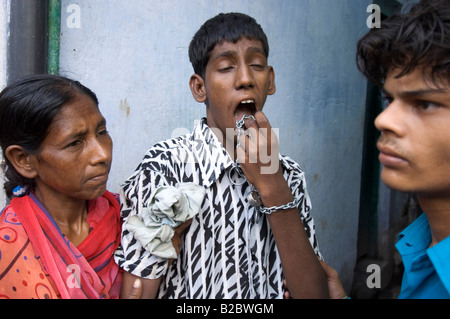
{"x":420,"y":38}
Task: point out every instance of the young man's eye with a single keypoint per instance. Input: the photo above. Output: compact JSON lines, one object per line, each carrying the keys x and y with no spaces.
{"x":426,"y":105}
{"x":386,"y":100}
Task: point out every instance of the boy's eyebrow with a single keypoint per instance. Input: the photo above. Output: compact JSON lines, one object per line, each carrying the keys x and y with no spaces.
{"x":229,"y":53}
{"x":224,"y":54}
{"x":256,"y":50}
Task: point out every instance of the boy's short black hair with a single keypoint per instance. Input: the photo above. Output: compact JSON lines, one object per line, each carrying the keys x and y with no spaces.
{"x":419,"y":38}
{"x":229,"y":27}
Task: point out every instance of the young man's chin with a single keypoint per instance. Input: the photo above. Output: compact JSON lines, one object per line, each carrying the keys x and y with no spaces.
{"x":396,"y":182}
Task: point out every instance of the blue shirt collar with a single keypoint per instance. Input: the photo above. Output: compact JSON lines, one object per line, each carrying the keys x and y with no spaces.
{"x":420,"y":261}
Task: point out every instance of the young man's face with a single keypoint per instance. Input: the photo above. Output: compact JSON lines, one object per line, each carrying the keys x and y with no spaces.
{"x":415,"y":141}
{"x":237,"y":82}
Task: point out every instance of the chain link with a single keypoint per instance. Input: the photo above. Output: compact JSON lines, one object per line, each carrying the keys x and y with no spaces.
{"x":270,"y":210}
{"x":252,"y":200}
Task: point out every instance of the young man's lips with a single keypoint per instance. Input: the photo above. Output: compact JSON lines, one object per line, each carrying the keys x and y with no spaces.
{"x":389,"y":158}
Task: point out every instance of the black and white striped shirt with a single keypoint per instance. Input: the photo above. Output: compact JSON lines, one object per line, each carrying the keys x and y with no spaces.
{"x":228,"y":251}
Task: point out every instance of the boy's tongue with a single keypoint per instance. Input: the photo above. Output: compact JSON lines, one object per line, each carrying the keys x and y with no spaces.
{"x":241,"y":111}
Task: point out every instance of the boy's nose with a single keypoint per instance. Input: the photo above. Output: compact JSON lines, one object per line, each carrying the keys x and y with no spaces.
{"x":244,"y":78}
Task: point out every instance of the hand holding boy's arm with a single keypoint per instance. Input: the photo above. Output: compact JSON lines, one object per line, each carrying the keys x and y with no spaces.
{"x":134,"y":287}
{"x":301,"y":267}
{"x":334,"y":283}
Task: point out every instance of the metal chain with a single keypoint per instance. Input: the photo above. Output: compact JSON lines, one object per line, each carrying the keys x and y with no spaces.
{"x":270,"y":210}
{"x":251,"y":199}
{"x":240,"y":126}
{"x":236,"y":167}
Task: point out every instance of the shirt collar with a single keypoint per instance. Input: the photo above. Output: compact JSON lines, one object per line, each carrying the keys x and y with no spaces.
{"x":440,"y":257}
{"x":416,"y":237}
{"x":413,"y":246}
{"x":209,"y":153}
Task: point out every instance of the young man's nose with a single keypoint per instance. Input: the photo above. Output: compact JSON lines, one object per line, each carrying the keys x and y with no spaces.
{"x":390,"y":120}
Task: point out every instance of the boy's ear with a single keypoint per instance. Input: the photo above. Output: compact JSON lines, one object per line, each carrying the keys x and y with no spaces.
{"x":23,"y":162}
{"x":272,"y":86}
{"x":197,"y":85}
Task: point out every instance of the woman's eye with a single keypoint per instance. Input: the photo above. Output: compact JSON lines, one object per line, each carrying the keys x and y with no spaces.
{"x":103,"y":132}
{"x":74,"y":143}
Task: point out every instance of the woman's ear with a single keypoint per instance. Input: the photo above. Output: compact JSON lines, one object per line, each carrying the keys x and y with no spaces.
{"x":197,"y":85}
{"x":272,"y":86}
{"x":23,"y":162}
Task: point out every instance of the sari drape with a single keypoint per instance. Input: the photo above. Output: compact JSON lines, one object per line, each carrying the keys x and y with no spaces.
{"x":38,"y":261}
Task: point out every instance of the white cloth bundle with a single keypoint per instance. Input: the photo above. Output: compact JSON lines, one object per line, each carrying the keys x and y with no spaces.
{"x":168,"y":208}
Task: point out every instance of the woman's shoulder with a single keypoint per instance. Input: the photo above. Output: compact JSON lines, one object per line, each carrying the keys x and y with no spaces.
{"x":21,"y":271}
{"x":11,"y":229}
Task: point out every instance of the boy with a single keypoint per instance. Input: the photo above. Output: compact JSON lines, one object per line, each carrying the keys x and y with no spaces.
{"x":231,"y":249}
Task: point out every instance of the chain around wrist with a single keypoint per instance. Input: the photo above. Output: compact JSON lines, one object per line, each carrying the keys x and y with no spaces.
{"x":255,"y":200}
{"x":270,"y":210}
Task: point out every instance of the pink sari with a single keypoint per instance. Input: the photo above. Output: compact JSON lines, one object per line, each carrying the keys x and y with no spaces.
{"x":38,"y":261}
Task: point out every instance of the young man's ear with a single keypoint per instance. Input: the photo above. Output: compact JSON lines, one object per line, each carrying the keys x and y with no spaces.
{"x":22,"y":161}
{"x":197,"y":85}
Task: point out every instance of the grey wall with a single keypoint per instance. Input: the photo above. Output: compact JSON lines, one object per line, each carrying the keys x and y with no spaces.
{"x":4,"y":17}
{"x":134,"y":56}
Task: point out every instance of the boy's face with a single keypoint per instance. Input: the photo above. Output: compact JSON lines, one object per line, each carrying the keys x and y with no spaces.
{"x":237,"y":82}
{"x":415,"y":141}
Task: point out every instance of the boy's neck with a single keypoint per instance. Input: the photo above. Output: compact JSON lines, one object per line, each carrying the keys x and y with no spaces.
{"x":228,"y":142}
{"x":437,"y":210}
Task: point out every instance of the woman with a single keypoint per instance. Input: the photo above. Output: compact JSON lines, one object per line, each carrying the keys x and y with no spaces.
{"x":59,"y":233}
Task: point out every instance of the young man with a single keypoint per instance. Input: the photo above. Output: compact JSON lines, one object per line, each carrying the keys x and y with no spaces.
{"x":409,"y":57}
{"x":253,"y":227}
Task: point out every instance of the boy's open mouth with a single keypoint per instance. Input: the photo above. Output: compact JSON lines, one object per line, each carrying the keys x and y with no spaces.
{"x":245,"y":107}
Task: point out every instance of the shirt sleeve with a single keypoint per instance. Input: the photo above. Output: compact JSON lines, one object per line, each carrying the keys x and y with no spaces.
{"x":131,"y":255}
{"x":296,"y":180}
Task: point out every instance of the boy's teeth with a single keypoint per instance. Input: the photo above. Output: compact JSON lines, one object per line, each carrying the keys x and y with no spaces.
{"x":247,"y":101}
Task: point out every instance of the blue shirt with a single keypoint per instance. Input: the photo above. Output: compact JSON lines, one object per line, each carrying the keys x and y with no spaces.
{"x":427,"y":270}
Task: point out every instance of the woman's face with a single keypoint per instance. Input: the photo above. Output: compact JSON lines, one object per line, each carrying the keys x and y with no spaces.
{"x":75,"y":158}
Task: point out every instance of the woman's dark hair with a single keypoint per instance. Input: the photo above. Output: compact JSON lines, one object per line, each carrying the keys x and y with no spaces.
{"x":229,"y":27}
{"x":419,"y":38}
{"x":27,"y":110}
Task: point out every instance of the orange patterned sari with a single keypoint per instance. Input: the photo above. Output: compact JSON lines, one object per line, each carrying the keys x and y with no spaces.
{"x":38,"y":261}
